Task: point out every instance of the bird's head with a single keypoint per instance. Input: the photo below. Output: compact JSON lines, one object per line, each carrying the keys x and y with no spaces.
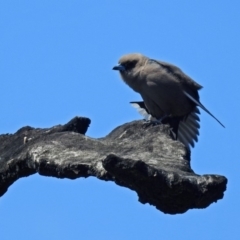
{"x":130,"y":64}
{"x":130,"y":67}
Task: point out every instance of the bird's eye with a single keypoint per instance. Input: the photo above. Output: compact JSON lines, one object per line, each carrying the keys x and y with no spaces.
{"x":130,"y":65}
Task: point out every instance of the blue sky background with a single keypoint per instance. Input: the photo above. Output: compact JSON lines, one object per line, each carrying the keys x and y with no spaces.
{"x":56,"y":60}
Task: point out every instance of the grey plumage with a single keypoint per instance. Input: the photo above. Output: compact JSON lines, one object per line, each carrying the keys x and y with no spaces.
{"x":169,"y":95}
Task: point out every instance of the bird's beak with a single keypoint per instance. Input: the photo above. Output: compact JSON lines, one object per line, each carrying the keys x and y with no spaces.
{"x":119,"y":68}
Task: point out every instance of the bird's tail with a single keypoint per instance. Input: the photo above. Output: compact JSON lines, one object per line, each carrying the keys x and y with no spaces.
{"x":188,"y":129}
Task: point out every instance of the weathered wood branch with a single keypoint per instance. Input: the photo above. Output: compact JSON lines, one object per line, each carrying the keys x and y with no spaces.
{"x":144,"y":159}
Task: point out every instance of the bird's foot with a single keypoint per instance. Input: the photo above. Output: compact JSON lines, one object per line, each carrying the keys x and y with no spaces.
{"x":148,"y":123}
{"x":153,"y":121}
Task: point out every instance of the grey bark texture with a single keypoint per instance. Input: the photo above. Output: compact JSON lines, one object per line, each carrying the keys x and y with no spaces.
{"x":134,"y":155}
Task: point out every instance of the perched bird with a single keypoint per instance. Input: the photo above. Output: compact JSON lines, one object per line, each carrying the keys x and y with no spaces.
{"x":169,"y":95}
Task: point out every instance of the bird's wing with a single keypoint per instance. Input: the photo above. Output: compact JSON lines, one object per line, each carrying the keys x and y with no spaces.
{"x":189,"y":87}
{"x":201,"y":106}
{"x":178,"y":73}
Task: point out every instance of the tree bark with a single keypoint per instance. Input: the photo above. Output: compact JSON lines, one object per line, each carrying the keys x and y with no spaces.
{"x":144,"y":159}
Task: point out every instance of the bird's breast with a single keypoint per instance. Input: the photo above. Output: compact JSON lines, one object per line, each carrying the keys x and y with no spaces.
{"x":133,"y":81}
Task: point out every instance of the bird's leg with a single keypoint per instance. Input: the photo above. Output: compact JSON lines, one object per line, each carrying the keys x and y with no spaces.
{"x":163,"y":117}
{"x":154,"y":121}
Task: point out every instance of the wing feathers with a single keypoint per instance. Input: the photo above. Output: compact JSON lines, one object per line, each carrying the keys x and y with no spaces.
{"x":201,"y":106}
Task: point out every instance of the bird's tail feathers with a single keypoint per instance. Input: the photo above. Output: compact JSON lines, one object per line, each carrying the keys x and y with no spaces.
{"x":188,"y":129}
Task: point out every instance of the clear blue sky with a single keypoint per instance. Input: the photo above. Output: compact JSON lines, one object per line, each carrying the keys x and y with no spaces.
{"x":56,"y":60}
